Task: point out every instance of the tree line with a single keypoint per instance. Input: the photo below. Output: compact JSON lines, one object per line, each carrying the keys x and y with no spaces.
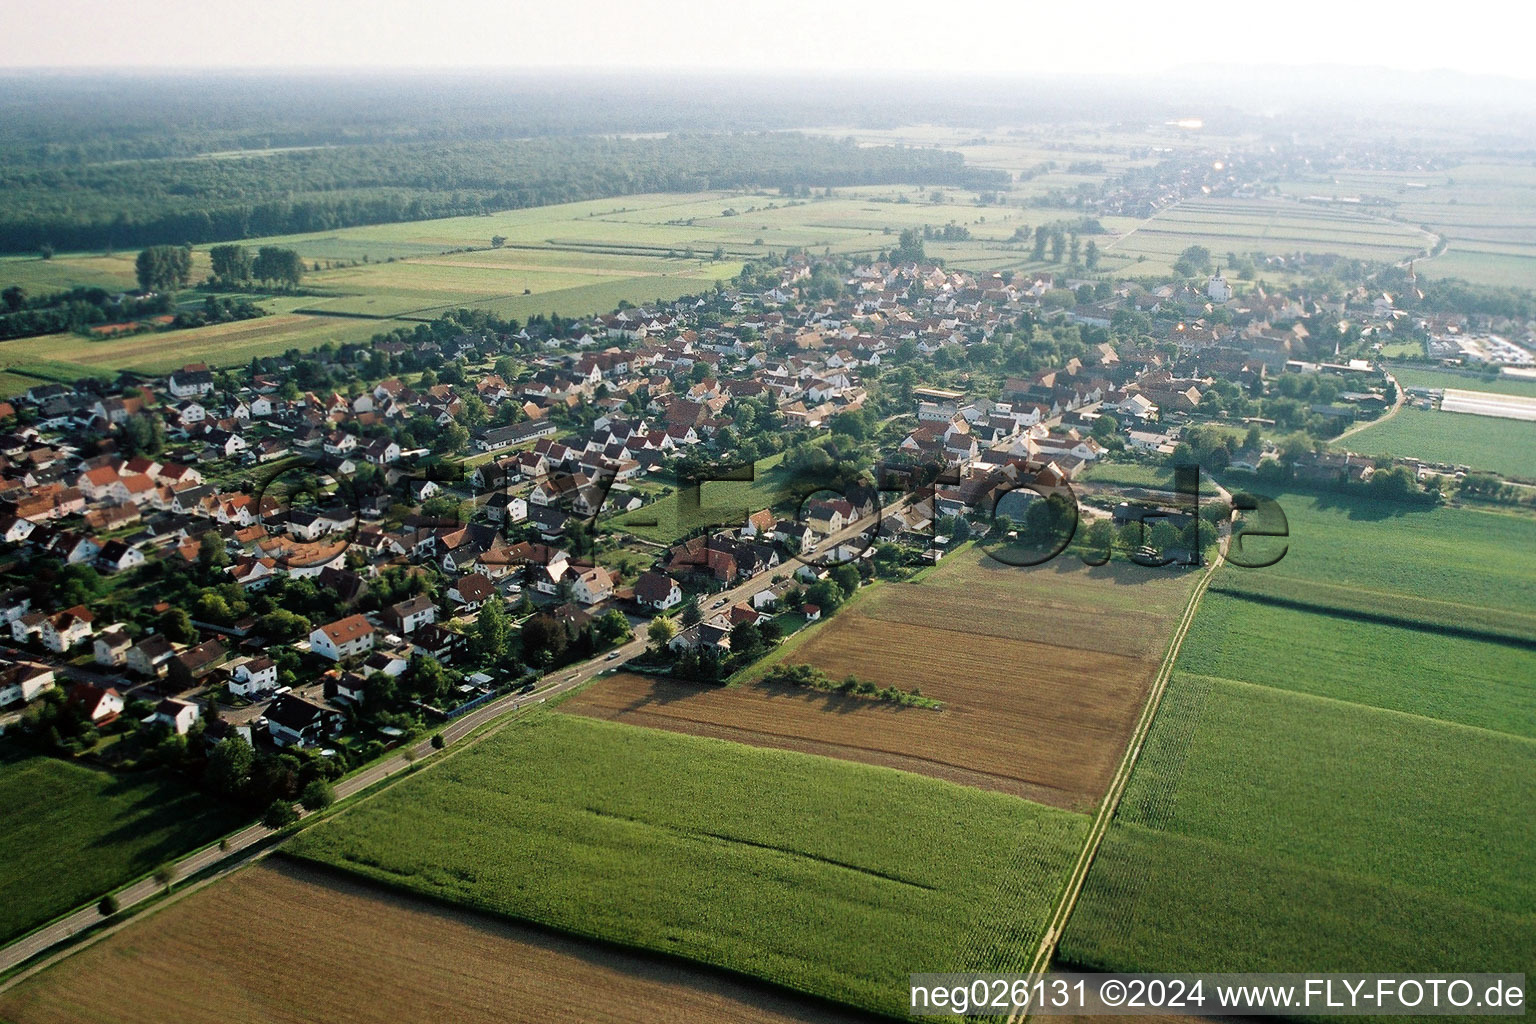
{"x":91,"y":206}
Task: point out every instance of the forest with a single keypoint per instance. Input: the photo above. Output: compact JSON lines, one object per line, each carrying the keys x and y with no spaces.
{"x":144,"y":202}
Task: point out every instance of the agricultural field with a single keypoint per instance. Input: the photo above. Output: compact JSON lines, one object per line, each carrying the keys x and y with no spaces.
{"x":1307,"y":793}
{"x":1489,"y":443}
{"x":1272,"y":831}
{"x":1273,"y":227}
{"x":1433,"y":564}
{"x":1041,"y":671}
{"x":74,"y":833}
{"x":1414,"y":377}
{"x":698,"y":848}
{"x":1485,"y":209}
{"x":386,"y":958}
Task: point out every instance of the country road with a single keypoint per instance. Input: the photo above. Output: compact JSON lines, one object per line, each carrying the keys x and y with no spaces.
{"x":238,"y":844}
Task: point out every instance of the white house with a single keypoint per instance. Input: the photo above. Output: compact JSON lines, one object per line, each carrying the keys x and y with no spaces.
{"x":343,"y":638}
{"x":592,"y":586}
{"x":258,"y":675}
{"x":178,"y":714}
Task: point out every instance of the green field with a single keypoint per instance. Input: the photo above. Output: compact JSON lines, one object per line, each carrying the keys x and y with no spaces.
{"x":1413,"y":377}
{"x":1454,"y":679}
{"x":1490,"y":443}
{"x":824,"y":876}
{"x":720,"y":503}
{"x":1269,"y":831}
{"x":1476,"y":567}
{"x":1324,"y":789}
{"x":72,"y":834}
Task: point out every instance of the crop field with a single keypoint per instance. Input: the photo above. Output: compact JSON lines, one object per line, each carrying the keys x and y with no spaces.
{"x":793,"y":869}
{"x":1414,"y":377}
{"x":1266,"y":830}
{"x":1503,"y":446}
{"x":238,"y":951}
{"x":73,"y":833}
{"x":1436,"y":565}
{"x":1400,"y":668}
{"x":1042,"y":673}
{"x":1267,"y":226}
{"x":1486,"y":209}
{"x":223,"y":344}
{"x":1309,"y":792}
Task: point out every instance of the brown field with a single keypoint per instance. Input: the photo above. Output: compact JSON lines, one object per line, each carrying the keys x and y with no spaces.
{"x":282,"y":942}
{"x":1042,"y":673}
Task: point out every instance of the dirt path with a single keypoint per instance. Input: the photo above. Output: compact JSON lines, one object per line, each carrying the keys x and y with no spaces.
{"x":1397,"y":406}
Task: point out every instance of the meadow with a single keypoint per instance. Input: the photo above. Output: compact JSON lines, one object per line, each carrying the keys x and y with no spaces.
{"x":719,"y":503}
{"x":74,"y":833}
{"x":238,"y":951}
{"x":1488,"y":443}
{"x":703,"y":849}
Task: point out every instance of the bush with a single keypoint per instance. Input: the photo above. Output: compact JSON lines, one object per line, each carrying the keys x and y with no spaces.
{"x":437,"y":741}
{"x":317,"y":796}
{"x":108,"y":905}
{"x":279,"y":815}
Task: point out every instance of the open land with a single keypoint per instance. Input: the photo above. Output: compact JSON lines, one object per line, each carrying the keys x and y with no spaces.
{"x":74,"y":833}
{"x":1041,"y":671}
{"x":703,"y":849}
{"x":1328,"y":793}
{"x":238,"y":951}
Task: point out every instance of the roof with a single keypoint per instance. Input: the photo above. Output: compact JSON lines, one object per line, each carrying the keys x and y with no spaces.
{"x":348,"y":629}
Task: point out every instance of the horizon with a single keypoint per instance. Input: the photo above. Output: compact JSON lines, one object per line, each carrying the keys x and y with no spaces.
{"x":796,"y":38}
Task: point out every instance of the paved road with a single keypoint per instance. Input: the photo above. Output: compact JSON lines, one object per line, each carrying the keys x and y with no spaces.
{"x":238,"y":844}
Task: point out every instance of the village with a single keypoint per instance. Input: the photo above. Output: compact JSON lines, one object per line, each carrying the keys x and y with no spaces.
{"x":326,"y":552}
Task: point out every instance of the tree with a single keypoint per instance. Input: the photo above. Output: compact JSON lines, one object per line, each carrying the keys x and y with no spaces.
{"x":163,"y":268}
{"x":746,"y":641}
{"x":612,"y":628}
{"x":165,"y":875}
{"x":692,"y":614}
{"x":276,"y":265}
{"x":14,"y":298}
{"x":317,"y":796}
{"x":229,"y":767}
{"x":544,"y":634}
{"x":492,"y":632}
{"x":438,"y":742}
{"x":231,"y":263}
{"x":660,"y":632}
{"x":177,"y":627}
{"x":108,"y":905}
{"x":497,"y":241}
{"x":1091,"y":255}
{"x":280,"y":814}
{"x":910,"y":250}
{"x":1058,"y":246}
{"x":1192,"y":261}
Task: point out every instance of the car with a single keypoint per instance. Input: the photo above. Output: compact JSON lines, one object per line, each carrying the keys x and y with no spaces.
{"x":612,"y":655}
{"x":718,"y":604}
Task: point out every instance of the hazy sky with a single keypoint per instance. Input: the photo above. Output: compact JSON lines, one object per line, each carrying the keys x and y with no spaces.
{"x":964,"y":36}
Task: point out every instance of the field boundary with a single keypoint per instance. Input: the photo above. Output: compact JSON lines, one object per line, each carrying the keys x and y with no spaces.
{"x":1099,"y":826}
